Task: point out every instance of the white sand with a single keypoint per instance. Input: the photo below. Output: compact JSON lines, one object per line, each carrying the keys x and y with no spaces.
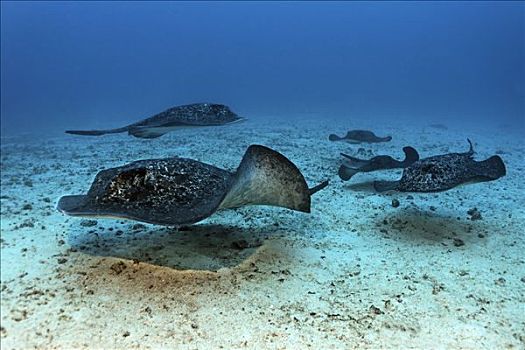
{"x":355,"y":273}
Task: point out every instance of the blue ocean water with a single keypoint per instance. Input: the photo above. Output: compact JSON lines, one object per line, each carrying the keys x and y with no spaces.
{"x":66,"y":64}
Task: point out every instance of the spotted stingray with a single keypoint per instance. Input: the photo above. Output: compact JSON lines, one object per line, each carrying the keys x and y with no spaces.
{"x":443,"y":172}
{"x":181,"y":191}
{"x":359,"y":136}
{"x":192,"y":115}
{"x":353,"y":165}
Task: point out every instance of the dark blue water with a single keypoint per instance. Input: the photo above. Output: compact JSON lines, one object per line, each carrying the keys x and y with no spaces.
{"x":85,"y":64}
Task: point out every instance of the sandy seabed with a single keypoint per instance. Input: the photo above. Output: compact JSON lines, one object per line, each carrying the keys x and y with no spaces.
{"x":355,"y":273}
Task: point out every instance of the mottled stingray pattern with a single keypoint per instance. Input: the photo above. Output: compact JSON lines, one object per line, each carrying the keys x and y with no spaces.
{"x":192,"y":115}
{"x":443,"y":172}
{"x":359,"y":136}
{"x":352,"y":165}
{"x":177,"y":191}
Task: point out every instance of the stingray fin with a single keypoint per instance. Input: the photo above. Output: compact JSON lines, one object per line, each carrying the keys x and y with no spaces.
{"x":69,"y":204}
{"x":383,"y":186}
{"x":490,"y":169}
{"x":411,"y":155}
{"x":148,"y":132}
{"x":346,"y":173}
{"x":266,"y":177}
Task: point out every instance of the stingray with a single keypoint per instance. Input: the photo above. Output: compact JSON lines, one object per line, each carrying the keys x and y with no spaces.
{"x":192,"y":115}
{"x":359,"y":136}
{"x":443,"y":172}
{"x":182,"y":191}
{"x":352,"y":165}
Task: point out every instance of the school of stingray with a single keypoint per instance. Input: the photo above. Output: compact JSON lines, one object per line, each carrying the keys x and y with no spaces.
{"x":181,"y":191}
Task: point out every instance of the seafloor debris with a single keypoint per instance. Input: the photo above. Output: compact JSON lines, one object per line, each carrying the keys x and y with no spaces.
{"x":474,"y":213}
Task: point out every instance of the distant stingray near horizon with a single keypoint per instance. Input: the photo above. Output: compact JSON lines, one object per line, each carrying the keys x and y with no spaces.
{"x":443,"y":172}
{"x":352,"y":165}
{"x":181,"y":191}
{"x":360,"y":136}
{"x":192,"y":115}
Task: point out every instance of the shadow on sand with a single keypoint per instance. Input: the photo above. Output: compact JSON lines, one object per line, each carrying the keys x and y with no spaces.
{"x":425,"y":227}
{"x":366,"y":187}
{"x":199,"y":247}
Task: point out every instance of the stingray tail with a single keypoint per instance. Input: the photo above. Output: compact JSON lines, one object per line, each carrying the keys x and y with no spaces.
{"x":318,"y":188}
{"x":470,"y":148}
{"x":353,"y":162}
{"x":97,"y":132}
{"x":266,"y":177}
{"x":349,"y":157}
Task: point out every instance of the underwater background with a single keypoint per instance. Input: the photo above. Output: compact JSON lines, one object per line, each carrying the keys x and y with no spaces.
{"x":83,"y":63}
{"x":363,"y":269}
